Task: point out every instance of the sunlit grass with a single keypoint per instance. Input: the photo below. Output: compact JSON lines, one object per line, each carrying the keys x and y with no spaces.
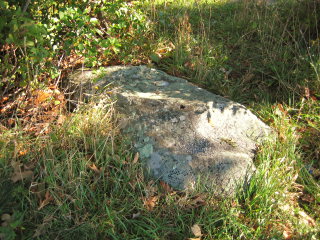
{"x":87,"y":185}
{"x":95,"y":189}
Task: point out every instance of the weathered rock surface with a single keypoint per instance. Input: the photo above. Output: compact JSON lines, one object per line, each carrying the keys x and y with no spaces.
{"x":185,"y":135}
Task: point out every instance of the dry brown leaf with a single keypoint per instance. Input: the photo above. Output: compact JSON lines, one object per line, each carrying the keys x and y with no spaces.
{"x":61,"y":119}
{"x":2,"y":100}
{"x":18,"y":176}
{"x":19,"y":172}
{"x":235,"y":204}
{"x":197,"y":202}
{"x":14,"y":164}
{"x":189,"y":65}
{"x":150,"y":202}
{"x":150,"y":189}
{"x":42,"y":96}
{"x":22,"y":152}
{"x":95,"y":168}
{"x":303,"y":217}
{"x":307,"y":198}
{"x":306,"y":219}
{"x":136,"y":158}
{"x":6,"y":219}
{"x":281,"y":108}
{"x":47,"y":199}
{"x":307,"y":92}
{"x":11,"y":121}
{"x":287,"y":233}
{"x":248,"y":77}
{"x":196,"y":230}
{"x":166,"y":187}
{"x":194,"y":238}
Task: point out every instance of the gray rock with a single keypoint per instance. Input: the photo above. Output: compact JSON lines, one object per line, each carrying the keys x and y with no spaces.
{"x":185,"y":135}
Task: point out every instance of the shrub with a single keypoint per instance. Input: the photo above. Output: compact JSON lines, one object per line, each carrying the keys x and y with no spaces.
{"x":36,"y":38}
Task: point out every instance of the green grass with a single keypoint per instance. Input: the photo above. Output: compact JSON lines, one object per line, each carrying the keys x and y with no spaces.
{"x":264,"y":57}
{"x":88,"y":204}
{"x":241,"y":50}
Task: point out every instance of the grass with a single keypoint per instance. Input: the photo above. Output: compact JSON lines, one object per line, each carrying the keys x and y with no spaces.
{"x":239,"y":50}
{"x":86,"y":183}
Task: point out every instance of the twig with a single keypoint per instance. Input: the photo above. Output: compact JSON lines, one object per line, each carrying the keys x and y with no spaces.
{"x":26,"y":6}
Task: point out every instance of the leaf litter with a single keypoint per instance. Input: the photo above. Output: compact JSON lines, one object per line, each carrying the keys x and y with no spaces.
{"x":47,"y":199}
{"x":34,"y":110}
{"x":20,"y":172}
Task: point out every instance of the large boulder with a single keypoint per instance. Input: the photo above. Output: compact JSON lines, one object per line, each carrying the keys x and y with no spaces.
{"x":186,"y":136}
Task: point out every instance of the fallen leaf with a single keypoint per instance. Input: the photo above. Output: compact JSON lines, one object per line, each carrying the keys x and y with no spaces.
{"x":196,"y":230}
{"x":279,"y":110}
{"x":22,"y":152}
{"x":20,"y":171}
{"x":150,"y":202}
{"x":3,"y":100}
{"x":235,"y":204}
{"x":307,"y":92}
{"x":280,"y":107}
{"x":16,"y":165}
{"x":47,"y":199}
{"x":136,"y":158}
{"x":150,"y":189}
{"x":41,"y":96}
{"x":248,"y":77}
{"x":166,"y":187}
{"x":189,"y":65}
{"x":307,"y":198}
{"x":61,"y":119}
{"x":6,"y":219}
{"x":303,"y":217}
{"x":11,"y":121}
{"x":18,"y":176}
{"x":95,"y":169}
{"x":197,"y":202}
{"x":306,"y":219}
{"x":194,"y":238}
{"x":287,"y":233}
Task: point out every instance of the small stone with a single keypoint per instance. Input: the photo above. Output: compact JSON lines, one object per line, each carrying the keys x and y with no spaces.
{"x":182,"y":118}
{"x":174,"y":120}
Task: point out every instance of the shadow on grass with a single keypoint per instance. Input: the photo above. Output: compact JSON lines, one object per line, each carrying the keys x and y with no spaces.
{"x":244,"y":51}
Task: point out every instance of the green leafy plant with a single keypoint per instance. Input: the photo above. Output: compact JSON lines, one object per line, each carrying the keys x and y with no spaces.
{"x":36,"y":40}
